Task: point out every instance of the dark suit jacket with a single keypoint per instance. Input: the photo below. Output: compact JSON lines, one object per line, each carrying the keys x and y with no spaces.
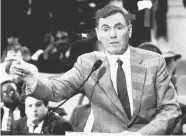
{"x":79,"y":117}
{"x":155,"y":102}
{"x":56,"y":126}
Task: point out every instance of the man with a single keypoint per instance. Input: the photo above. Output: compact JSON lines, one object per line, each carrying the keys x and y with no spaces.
{"x":57,"y":54}
{"x":10,"y":105}
{"x":38,"y":119}
{"x":14,"y":51}
{"x":11,"y":53}
{"x":61,"y":52}
{"x":143,"y":102}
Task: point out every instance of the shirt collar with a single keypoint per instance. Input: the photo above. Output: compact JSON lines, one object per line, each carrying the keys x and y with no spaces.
{"x":113,"y":58}
{"x":31,"y":124}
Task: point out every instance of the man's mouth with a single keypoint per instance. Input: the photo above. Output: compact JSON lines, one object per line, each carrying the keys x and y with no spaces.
{"x":35,"y":115}
{"x":114,"y":42}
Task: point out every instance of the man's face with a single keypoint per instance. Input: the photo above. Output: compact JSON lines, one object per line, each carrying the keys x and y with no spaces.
{"x":62,"y":40}
{"x":12,"y":54}
{"x":114,"y":33}
{"x":9,"y":93}
{"x":35,"y":109}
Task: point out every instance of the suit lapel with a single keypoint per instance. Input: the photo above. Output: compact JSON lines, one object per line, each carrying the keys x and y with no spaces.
{"x":106,"y":85}
{"x":48,"y":124}
{"x":138,"y":74}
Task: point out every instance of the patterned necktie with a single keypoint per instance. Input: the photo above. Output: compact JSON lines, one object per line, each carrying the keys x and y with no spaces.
{"x":122,"y":89}
{"x":10,"y":119}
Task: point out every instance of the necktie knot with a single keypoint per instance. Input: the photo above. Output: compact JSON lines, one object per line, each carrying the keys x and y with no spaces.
{"x":119,"y":62}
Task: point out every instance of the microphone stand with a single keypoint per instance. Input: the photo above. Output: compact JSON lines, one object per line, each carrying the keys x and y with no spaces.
{"x":78,"y":91}
{"x":96,"y":65}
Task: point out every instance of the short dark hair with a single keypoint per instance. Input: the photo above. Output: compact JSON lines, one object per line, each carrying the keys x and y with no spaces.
{"x":110,"y":10}
{"x":45,"y":102}
{"x":7,"y":81}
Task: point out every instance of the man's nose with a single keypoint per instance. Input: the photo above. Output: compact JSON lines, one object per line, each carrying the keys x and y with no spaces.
{"x":34,"y":108}
{"x":113,"y":34}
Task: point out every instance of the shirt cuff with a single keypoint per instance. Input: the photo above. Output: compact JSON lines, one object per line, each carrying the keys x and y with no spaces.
{"x":30,"y":89}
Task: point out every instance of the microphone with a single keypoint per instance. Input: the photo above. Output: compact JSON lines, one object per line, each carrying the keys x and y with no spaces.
{"x":96,"y":65}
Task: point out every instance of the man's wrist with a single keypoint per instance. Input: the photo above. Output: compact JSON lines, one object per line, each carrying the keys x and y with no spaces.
{"x":30,"y":89}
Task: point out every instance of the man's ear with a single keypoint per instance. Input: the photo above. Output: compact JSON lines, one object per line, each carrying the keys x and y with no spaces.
{"x":97,"y":33}
{"x":130,"y":30}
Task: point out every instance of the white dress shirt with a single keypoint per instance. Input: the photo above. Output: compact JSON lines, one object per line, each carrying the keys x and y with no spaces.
{"x":16,"y":116}
{"x":5,"y":118}
{"x":125,"y":58}
{"x":38,"y":129}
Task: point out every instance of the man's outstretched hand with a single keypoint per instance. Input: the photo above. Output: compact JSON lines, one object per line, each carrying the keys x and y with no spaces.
{"x":28,"y":72}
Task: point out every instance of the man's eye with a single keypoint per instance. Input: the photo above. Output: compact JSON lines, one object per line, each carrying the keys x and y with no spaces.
{"x":119,"y":27}
{"x":105,"y":29}
{"x":38,"y":104}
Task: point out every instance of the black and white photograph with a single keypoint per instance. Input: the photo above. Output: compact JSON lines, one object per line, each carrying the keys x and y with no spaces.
{"x":93,"y":67}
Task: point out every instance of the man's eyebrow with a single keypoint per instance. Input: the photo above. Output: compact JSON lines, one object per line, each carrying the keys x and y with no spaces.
{"x":104,"y":25}
{"x":118,"y":24}
{"x":39,"y":102}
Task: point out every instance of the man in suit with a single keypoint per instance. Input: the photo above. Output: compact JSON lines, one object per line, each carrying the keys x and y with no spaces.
{"x":39,"y":120}
{"x":11,"y":101}
{"x":57,"y":53}
{"x":143,"y":102}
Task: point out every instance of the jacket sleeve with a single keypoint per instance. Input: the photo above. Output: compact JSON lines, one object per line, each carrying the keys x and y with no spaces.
{"x":168,"y":109}
{"x":60,"y":88}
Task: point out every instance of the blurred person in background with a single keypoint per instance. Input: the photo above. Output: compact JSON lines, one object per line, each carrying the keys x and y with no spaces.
{"x":39,"y":120}
{"x":171,"y":58}
{"x":12,"y":52}
{"x":56,"y":57}
{"x":10,"y":100}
